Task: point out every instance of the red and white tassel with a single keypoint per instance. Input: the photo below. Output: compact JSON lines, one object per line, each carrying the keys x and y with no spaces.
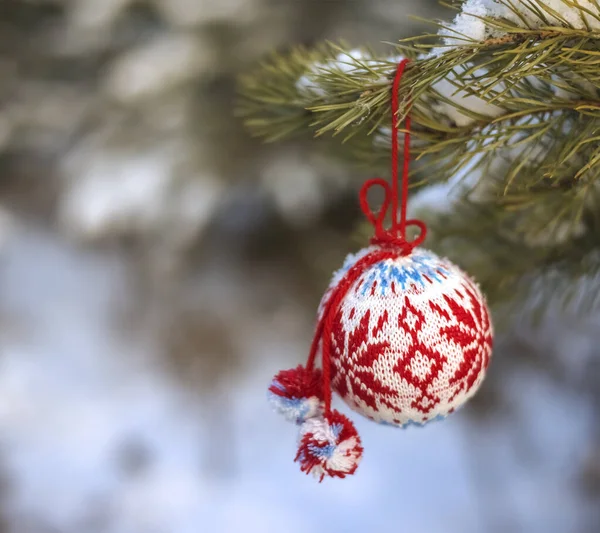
{"x":329,"y":446}
{"x":297,"y":393}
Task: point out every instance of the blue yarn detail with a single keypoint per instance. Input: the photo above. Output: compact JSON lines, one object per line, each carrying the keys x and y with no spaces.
{"x":324,"y":452}
{"x":294,"y":409}
{"x":412,"y":272}
{"x":412,"y":423}
{"x":386,"y":423}
{"x":278,"y":385}
{"x":336,"y":429}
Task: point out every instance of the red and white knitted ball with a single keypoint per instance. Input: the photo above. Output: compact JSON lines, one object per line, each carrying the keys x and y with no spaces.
{"x":411,"y":340}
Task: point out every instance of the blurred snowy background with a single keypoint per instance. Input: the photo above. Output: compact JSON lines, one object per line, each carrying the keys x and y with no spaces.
{"x":157,"y":267}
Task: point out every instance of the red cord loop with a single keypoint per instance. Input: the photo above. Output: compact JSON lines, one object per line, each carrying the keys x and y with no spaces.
{"x":395,"y":237}
{"x":388,"y":238}
{"x":376,"y":220}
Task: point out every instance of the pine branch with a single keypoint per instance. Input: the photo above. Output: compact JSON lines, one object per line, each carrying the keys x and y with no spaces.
{"x":354,"y":101}
{"x":360,"y":97}
{"x":511,"y":104}
{"x":524,"y":90}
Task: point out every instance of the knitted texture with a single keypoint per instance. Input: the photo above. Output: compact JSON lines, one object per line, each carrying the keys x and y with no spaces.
{"x":411,"y":340}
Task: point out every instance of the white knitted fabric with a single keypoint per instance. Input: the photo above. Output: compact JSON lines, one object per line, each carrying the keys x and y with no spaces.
{"x":412,"y":339}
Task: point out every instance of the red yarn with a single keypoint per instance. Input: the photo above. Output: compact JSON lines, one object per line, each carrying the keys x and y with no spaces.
{"x":396,"y":235}
{"x":298,"y":382}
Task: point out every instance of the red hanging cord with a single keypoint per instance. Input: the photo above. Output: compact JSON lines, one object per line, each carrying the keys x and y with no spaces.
{"x":392,"y":242}
{"x":396,"y":235}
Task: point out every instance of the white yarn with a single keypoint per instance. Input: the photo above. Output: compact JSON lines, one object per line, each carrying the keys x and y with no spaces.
{"x":296,"y":409}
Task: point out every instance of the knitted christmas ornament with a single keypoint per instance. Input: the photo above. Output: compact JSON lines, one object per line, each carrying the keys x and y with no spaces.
{"x":411,"y":338}
{"x":404,"y":336}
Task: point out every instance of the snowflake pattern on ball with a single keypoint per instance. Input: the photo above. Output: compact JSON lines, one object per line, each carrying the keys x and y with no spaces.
{"x":412,"y":339}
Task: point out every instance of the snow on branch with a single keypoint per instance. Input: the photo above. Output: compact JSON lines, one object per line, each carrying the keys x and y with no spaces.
{"x":475,"y":21}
